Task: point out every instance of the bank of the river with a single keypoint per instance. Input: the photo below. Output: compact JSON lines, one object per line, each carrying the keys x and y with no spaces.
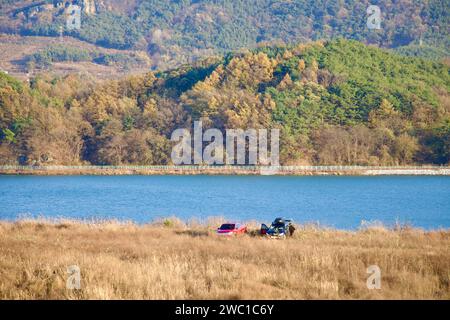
{"x":224,"y":170}
{"x":176,"y":261}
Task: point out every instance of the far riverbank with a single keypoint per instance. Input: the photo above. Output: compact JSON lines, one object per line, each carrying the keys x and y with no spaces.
{"x":225,"y":170}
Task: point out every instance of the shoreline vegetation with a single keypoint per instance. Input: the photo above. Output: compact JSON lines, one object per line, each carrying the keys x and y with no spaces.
{"x":170,"y":259}
{"x":225,"y":170}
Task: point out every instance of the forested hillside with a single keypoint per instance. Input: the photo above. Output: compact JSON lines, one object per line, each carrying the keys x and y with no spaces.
{"x":179,"y":31}
{"x":336,"y":102}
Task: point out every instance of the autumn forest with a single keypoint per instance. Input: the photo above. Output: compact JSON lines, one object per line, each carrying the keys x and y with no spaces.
{"x":335,"y":102}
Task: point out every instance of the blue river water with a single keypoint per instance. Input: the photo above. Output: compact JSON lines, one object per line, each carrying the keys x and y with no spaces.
{"x":340,"y":202}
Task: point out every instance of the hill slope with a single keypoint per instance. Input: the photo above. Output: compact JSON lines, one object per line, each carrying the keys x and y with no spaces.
{"x":336,"y":102}
{"x":174,"y":32}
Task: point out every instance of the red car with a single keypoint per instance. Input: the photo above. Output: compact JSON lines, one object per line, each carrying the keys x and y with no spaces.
{"x":231,"y":229}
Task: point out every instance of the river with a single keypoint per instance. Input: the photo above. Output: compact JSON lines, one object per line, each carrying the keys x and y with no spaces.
{"x":333,"y":201}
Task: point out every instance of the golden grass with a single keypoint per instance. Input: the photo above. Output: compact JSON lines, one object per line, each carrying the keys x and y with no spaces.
{"x":170,"y":260}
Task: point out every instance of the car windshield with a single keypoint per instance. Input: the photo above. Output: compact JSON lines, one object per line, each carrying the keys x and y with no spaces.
{"x":227,"y":226}
{"x":278,"y":225}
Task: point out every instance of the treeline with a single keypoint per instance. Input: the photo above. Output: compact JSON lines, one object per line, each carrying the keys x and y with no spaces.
{"x":180,"y":31}
{"x":335,"y":102}
{"x":423,"y":51}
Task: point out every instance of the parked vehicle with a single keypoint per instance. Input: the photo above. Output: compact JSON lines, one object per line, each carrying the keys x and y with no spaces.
{"x":279,"y":229}
{"x":231,"y":229}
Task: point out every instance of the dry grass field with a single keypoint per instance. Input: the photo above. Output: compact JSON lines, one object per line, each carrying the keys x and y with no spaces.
{"x":15,"y":49}
{"x":169,"y":260}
